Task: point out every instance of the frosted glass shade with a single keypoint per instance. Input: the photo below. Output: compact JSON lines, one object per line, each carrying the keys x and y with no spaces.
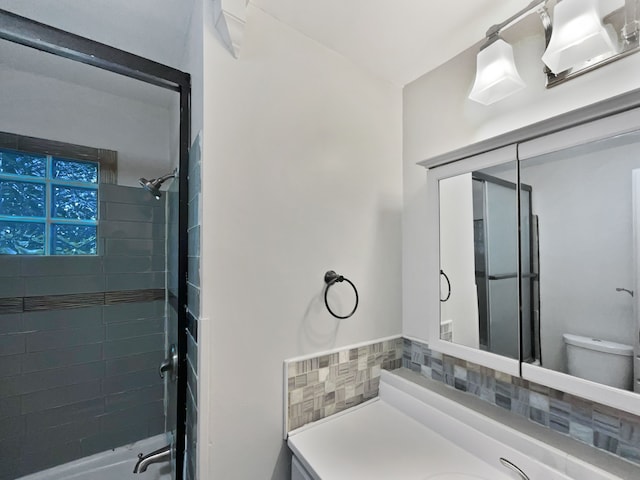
{"x":578,"y":35}
{"x":496,"y":74}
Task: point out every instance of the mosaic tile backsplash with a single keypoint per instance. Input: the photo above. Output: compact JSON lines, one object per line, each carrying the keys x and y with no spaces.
{"x":321,"y":386}
{"x":597,"y":425}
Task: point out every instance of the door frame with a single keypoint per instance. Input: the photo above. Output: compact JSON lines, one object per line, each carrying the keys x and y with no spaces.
{"x":27,"y":32}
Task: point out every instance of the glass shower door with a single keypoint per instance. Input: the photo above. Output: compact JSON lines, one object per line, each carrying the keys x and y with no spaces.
{"x":89,"y":279}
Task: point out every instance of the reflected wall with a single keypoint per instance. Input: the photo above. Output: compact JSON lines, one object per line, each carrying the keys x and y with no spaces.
{"x":584,"y":204}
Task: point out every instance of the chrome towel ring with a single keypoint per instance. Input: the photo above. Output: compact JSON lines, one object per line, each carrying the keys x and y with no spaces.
{"x":331,"y":278}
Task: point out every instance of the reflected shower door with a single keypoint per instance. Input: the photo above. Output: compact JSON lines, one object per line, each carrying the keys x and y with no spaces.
{"x":501,"y":264}
{"x":496,"y":258}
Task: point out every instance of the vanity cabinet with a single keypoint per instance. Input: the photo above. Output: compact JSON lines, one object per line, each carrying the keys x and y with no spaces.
{"x":298,"y":472}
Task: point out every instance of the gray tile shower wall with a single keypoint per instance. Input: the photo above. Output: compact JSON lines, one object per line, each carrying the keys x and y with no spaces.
{"x":81,"y":339}
{"x":612,"y":430}
{"x":330,"y":383}
{"x":193,"y":313}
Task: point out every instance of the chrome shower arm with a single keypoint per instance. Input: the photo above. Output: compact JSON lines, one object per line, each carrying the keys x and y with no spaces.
{"x":164,"y":178}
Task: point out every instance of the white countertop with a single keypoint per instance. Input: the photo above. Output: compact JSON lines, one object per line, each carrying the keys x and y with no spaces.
{"x":376,"y":441}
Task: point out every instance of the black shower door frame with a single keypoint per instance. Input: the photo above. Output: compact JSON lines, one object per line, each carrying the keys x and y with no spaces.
{"x":46,"y":38}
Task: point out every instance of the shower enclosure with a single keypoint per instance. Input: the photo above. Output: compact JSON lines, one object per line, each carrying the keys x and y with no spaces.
{"x":93,"y":265}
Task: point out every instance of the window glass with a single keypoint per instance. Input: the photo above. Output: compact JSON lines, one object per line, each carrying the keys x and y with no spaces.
{"x":74,"y":239}
{"x":21,"y":238}
{"x":22,"y":199}
{"x":21,"y":163}
{"x":72,"y":170}
{"x":48,"y":206}
{"x":72,"y":202}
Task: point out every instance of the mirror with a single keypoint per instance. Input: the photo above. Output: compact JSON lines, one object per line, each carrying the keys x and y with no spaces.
{"x":479,"y":259}
{"x":585,"y":211}
{"x":566,"y":313}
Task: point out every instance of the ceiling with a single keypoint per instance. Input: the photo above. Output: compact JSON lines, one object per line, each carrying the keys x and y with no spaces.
{"x":155,"y":29}
{"x":398,"y":40}
{"x":45,"y":65}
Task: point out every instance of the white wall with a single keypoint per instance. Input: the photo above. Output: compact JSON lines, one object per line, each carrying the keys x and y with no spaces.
{"x":192,"y":62}
{"x":301,"y":174}
{"x":438,"y":117}
{"x":44,"y":107}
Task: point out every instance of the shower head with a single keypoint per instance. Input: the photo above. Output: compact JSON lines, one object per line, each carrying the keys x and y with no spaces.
{"x":154,"y":184}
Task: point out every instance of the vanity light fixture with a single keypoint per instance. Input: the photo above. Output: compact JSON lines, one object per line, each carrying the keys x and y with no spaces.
{"x":578,"y":36}
{"x":496,"y":75}
{"x":577,"y":41}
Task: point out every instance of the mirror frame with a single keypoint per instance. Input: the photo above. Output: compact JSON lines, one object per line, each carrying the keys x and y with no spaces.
{"x":482,"y":357}
{"x":614,"y":116}
{"x":24,"y":31}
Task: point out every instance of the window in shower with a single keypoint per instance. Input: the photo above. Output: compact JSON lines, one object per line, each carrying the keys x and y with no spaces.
{"x":48,"y":198}
{"x":48,"y":205}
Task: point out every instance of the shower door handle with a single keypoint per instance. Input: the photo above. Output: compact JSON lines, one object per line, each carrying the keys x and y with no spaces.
{"x":170,"y":364}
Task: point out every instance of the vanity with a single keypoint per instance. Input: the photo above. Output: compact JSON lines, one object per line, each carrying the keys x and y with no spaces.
{"x":529,"y":304}
{"x":411,"y":432}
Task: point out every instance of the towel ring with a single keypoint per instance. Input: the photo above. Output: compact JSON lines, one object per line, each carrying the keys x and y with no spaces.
{"x":330,"y":278}
{"x":448,"y":286}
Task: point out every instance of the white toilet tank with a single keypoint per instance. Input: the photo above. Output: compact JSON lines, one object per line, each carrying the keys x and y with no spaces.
{"x":600,"y":361}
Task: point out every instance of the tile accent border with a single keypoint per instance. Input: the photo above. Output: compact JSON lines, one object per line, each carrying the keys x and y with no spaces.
{"x":597,"y":425}
{"x":77,"y":300}
{"x":134,"y":296}
{"x":329,"y":383}
{"x":11,"y":305}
